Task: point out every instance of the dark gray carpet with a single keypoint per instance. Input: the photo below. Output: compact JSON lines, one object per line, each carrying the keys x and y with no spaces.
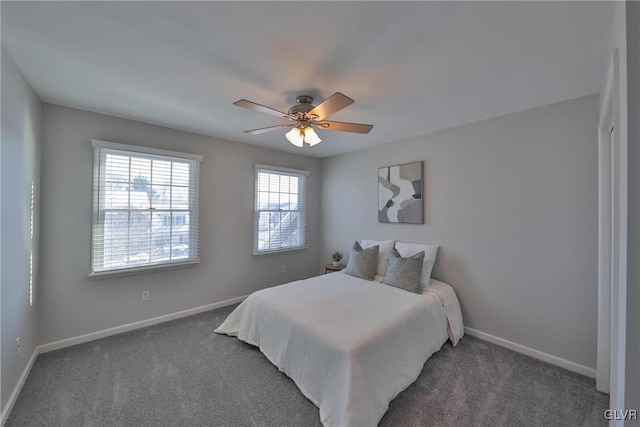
{"x":181,"y":373}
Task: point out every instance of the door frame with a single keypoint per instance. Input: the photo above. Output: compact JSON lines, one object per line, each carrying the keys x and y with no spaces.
{"x":612,"y":242}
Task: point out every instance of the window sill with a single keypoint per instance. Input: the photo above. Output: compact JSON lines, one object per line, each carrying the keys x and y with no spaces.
{"x":279,"y":251}
{"x":145,"y":269}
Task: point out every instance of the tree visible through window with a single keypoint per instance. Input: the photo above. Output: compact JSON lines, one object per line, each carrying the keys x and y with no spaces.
{"x":279,"y":210}
{"x":145,"y":208}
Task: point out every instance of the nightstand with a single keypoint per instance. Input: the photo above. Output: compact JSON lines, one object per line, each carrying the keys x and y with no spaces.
{"x":330,"y":268}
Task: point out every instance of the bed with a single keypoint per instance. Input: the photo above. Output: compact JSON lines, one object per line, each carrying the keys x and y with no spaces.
{"x":350,"y":345}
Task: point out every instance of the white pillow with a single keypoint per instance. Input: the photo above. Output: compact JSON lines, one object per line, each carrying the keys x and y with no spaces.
{"x":384,"y":249}
{"x":430,"y":252}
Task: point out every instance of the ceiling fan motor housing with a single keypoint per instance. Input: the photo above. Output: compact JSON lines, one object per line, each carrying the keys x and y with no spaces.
{"x":303,"y":106}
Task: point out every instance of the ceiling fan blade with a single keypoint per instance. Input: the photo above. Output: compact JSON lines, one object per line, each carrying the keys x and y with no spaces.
{"x":261,"y":108}
{"x":270,"y":128}
{"x":344,"y":127}
{"x":332,"y":104}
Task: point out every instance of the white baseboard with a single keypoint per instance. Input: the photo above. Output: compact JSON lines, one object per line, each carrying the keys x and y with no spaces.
{"x":536,"y":354}
{"x":56,"y":345}
{"x":16,"y":391}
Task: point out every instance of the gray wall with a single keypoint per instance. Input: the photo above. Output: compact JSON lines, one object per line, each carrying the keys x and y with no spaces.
{"x":20,"y":165}
{"x":632,"y":383}
{"x":513,"y":203}
{"x":72,"y":304}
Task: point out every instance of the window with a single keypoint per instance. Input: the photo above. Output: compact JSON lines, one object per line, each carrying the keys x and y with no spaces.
{"x":280,"y":196}
{"x":145,"y":208}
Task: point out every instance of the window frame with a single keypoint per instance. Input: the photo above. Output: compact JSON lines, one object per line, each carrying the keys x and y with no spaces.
{"x":98,"y":212}
{"x":302,"y":207}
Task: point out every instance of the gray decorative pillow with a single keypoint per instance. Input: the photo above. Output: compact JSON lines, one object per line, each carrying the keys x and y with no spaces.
{"x":404,"y":273}
{"x":362,"y":262}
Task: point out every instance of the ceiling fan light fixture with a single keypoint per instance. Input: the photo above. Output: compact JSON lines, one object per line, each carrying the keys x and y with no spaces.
{"x":311,"y":137}
{"x":295,"y":137}
{"x":304,"y":117}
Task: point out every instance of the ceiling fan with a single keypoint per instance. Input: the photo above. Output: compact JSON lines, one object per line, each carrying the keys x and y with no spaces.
{"x":304,"y":117}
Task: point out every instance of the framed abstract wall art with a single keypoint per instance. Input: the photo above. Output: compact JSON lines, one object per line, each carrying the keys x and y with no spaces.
{"x":400,"y":194}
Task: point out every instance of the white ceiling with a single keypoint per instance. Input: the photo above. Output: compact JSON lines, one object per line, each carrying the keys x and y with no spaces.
{"x":412,"y":67}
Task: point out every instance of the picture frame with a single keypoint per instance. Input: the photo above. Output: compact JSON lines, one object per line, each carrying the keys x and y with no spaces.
{"x":400,"y":190}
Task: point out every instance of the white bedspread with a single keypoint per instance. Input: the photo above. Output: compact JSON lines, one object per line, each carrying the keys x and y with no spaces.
{"x":349,"y":344}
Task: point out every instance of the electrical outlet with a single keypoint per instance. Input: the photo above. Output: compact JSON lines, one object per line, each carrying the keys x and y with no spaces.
{"x":18,"y":346}
{"x":284,"y":268}
{"x":146,"y":296}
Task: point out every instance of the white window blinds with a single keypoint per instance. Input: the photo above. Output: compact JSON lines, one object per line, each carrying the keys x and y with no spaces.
{"x":280,"y":199}
{"x":145,"y":208}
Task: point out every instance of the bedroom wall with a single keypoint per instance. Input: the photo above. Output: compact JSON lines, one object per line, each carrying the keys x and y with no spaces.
{"x":72,"y":304}
{"x":20,"y":161}
{"x":513,"y":203}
